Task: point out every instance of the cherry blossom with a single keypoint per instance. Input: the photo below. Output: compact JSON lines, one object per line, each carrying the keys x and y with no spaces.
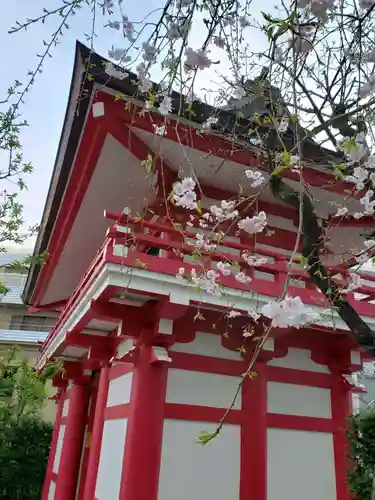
{"x":242,"y":278}
{"x":162,"y":130}
{"x":254,"y":224}
{"x":113,"y":72}
{"x":196,"y":59}
{"x":255,"y":176}
{"x":224,"y":268}
{"x":165,"y":107}
{"x":253,"y":260}
{"x":341,"y":212}
{"x":117,"y":54}
{"x":233,"y":314}
{"x":226,"y":210}
{"x":207,"y":125}
{"x":289,"y":312}
{"x":184,"y":194}
{"x":366,"y":4}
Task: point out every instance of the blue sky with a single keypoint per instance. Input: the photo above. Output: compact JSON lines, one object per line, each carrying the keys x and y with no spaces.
{"x":45,"y":104}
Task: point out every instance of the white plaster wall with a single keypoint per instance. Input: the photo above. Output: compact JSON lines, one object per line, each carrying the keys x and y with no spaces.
{"x":207,"y":344}
{"x":60,"y":440}
{"x":201,"y":389}
{"x":111,"y":456}
{"x":299,"y":359}
{"x":292,"y":399}
{"x":65,"y":408}
{"x":51,"y":491}
{"x":190,"y":471}
{"x":300,"y":465}
{"x":119,"y":390}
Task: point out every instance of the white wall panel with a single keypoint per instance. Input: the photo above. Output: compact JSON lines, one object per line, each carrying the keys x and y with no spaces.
{"x":59,"y":445}
{"x":300,"y":465}
{"x":119,"y":390}
{"x":51,"y":491}
{"x":190,"y":471}
{"x":65,"y":408}
{"x":299,"y":359}
{"x":207,"y":344}
{"x":202,"y":389}
{"x":292,"y":399}
{"x":111,"y":456}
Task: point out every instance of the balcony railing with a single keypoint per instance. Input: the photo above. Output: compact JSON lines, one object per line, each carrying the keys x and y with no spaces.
{"x":155,"y":247}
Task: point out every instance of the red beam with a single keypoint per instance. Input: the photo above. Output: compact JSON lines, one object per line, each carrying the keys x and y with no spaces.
{"x":82,"y":171}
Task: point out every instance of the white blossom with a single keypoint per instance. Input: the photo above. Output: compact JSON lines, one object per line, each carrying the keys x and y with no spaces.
{"x":255,"y":176}
{"x":289,"y":312}
{"x":253,"y":260}
{"x":149,"y":52}
{"x":212,"y":120}
{"x":162,"y":130}
{"x":369,"y":244}
{"x":233,"y":314}
{"x":341,"y":212}
{"x":165,"y":107}
{"x":366,"y":4}
{"x":224,"y":268}
{"x":255,"y":224}
{"x":196,"y":59}
{"x":184,"y":194}
{"x":117,"y":54}
{"x":242,"y":278}
{"x":114,"y":72}
{"x":239,"y":92}
{"x":226,"y":210}
{"x":283,"y":125}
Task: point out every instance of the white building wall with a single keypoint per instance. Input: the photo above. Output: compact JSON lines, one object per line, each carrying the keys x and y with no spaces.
{"x":60,"y":440}
{"x":300,"y":465}
{"x":192,"y":471}
{"x":299,"y":359}
{"x":201,"y":389}
{"x":119,"y":390}
{"x":111,"y":458}
{"x":301,"y":400}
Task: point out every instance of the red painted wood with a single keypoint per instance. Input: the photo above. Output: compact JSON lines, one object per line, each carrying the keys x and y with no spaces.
{"x":254,"y":436}
{"x":118,"y":411}
{"x":82,"y":171}
{"x":196,"y":413}
{"x":340,"y":410}
{"x":52,"y":453}
{"x":296,"y":422}
{"x":73,"y":441}
{"x":97,"y":433}
{"x":144,"y":430}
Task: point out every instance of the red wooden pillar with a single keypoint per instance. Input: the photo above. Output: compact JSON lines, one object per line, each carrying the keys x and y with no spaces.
{"x":52,"y":453}
{"x":142,"y":457}
{"x":97,"y":432}
{"x":253,"y":482}
{"x":340,"y":403}
{"x":73,"y":441}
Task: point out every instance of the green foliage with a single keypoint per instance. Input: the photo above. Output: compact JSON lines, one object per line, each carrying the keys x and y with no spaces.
{"x":22,"y":392}
{"x":361,"y":437}
{"x":25,"y":437}
{"x":24,"y":449}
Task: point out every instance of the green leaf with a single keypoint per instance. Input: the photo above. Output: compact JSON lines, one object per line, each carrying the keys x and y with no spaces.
{"x":147,"y":163}
{"x":199,"y":207}
{"x":205,"y":437}
{"x":278,"y":170}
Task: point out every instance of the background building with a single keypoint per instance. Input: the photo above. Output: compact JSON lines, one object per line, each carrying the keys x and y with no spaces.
{"x":17,"y":325}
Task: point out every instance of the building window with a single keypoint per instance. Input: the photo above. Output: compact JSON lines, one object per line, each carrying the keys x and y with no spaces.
{"x":31,"y":323}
